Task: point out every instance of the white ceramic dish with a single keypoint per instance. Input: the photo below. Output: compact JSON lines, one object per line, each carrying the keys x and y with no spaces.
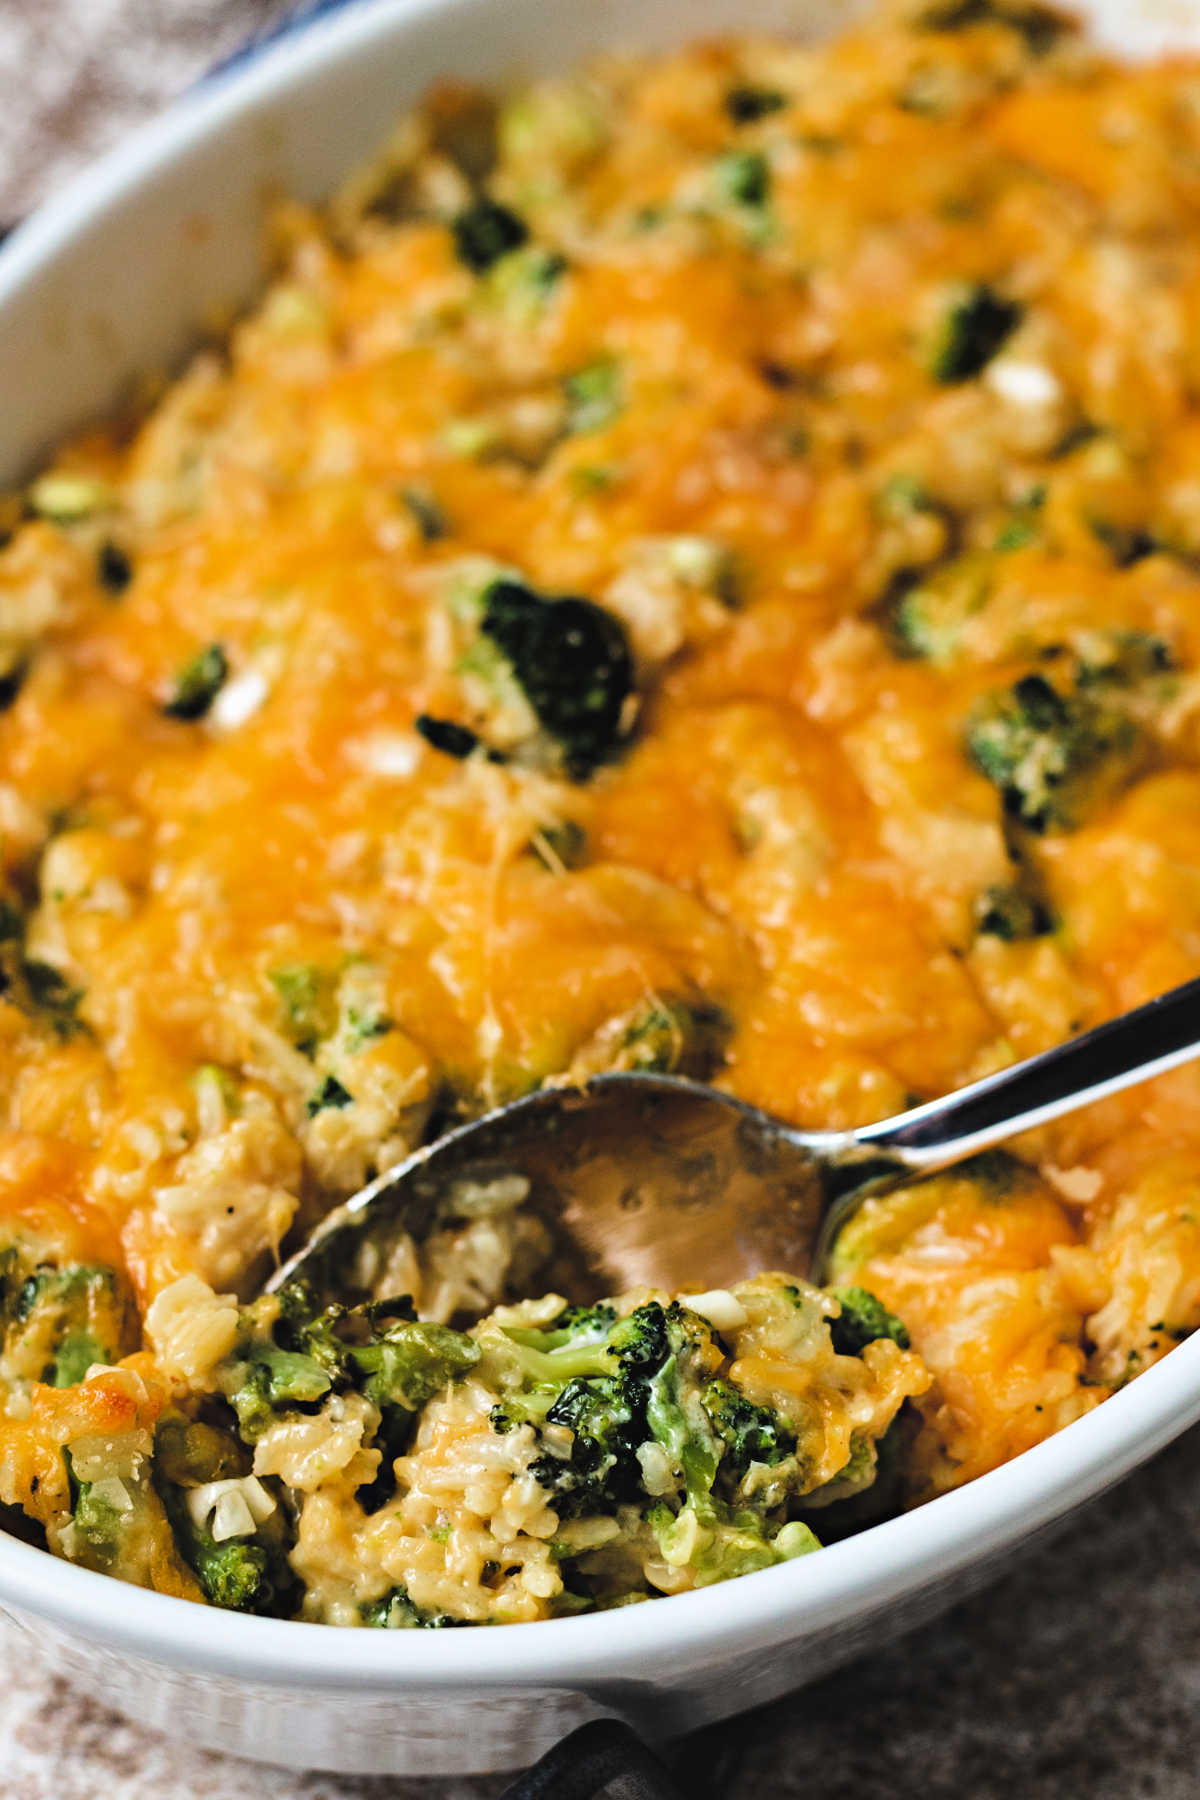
{"x":111,"y":279}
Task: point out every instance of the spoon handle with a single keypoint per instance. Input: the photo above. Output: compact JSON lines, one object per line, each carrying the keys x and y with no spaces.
{"x":1153,"y":1038}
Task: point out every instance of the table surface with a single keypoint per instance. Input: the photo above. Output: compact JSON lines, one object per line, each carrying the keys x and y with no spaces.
{"x":1080,"y":1672}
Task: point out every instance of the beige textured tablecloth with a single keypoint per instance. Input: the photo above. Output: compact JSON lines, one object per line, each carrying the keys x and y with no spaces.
{"x":1077,"y":1676}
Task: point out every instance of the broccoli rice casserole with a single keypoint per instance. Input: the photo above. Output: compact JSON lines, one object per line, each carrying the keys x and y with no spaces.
{"x":693,"y":565}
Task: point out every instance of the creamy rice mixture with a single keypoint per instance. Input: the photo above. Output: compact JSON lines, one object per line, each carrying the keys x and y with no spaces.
{"x":692,"y":565}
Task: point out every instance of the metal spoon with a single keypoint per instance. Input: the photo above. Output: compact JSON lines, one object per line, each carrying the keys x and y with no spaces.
{"x":658,"y":1181}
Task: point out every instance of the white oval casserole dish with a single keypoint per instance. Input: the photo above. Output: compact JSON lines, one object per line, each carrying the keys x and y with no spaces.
{"x":112,"y":279}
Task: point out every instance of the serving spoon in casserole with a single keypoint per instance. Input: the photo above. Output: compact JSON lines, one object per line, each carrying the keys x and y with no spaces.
{"x":658,"y":1181}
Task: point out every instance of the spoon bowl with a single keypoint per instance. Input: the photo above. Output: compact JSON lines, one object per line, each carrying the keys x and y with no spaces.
{"x":653,"y":1180}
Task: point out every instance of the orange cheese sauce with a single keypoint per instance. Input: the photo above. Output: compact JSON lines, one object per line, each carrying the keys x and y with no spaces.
{"x":791,"y":829}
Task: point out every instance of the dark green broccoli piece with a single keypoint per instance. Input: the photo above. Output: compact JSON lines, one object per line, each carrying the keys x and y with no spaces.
{"x":69,"y":1318}
{"x":862,"y":1319}
{"x":1040,"y":27}
{"x":12,"y":680}
{"x":396,"y":1612}
{"x":454,"y":740}
{"x":1012,"y":913}
{"x":241,"y":1574}
{"x":977,"y":323}
{"x":380,"y":1350}
{"x":485,"y":232}
{"x":750,"y":1433}
{"x":426,"y":514}
{"x":331,"y":1093}
{"x":52,"y":998}
{"x":1053,"y":758}
{"x":560,"y":846}
{"x":114,"y":570}
{"x":273,"y":1381}
{"x":572,"y":661}
{"x":746,"y":105}
{"x":602,"y":1470}
{"x":1124,"y":659}
{"x":407,"y":1362}
{"x":593,"y":395}
{"x":1126,"y":544}
{"x":743,"y":176}
{"x":197,"y":684}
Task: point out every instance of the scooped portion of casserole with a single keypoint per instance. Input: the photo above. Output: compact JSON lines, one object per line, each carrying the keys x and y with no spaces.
{"x":693,"y":565}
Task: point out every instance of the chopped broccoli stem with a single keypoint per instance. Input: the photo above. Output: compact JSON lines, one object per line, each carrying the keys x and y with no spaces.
{"x":114,"y":570}
{"x":306,"y":994}
{"x":746,"y":105}
{"x":485,"y":232}
{"x":744,"y":177}
{"x":976,"y":325}
{"x":862,"y":1319}
{"x":571,"y":660}
{"x":593,"y":395}
{"x":1052,"y":758}
{"x":1011,"y":913}
{"x":197,"y":684}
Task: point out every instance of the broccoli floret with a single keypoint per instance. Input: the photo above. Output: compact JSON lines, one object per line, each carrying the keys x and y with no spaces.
{"x":98,"y":1524}
{"x":197,"y":684}
{"x":1053,"y":758}
{"x":977,"y":323}
{"x":571,"y":660}
{"x":306,"y":997}
{"x":239,"y":1573}
{"x":396,"y":1612}
{"x":380,"y":1350}
{"x":862,"y":1319}
{"x":929,"y":615}
{"x":743,"y":176}
{"x":676,"y":1038}
{"x":331,"y":1093}
{"x":602,"y":1470}
{"x":1010,"y":912}
{"x":746,"y":105}
{"x":407,"y":1362}
{"x":275,"y":1380}
{"x":66,"y":1319}
{"x":593,"y":395}
{"x":750,"y":1433}
{"x":485,"y":232}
